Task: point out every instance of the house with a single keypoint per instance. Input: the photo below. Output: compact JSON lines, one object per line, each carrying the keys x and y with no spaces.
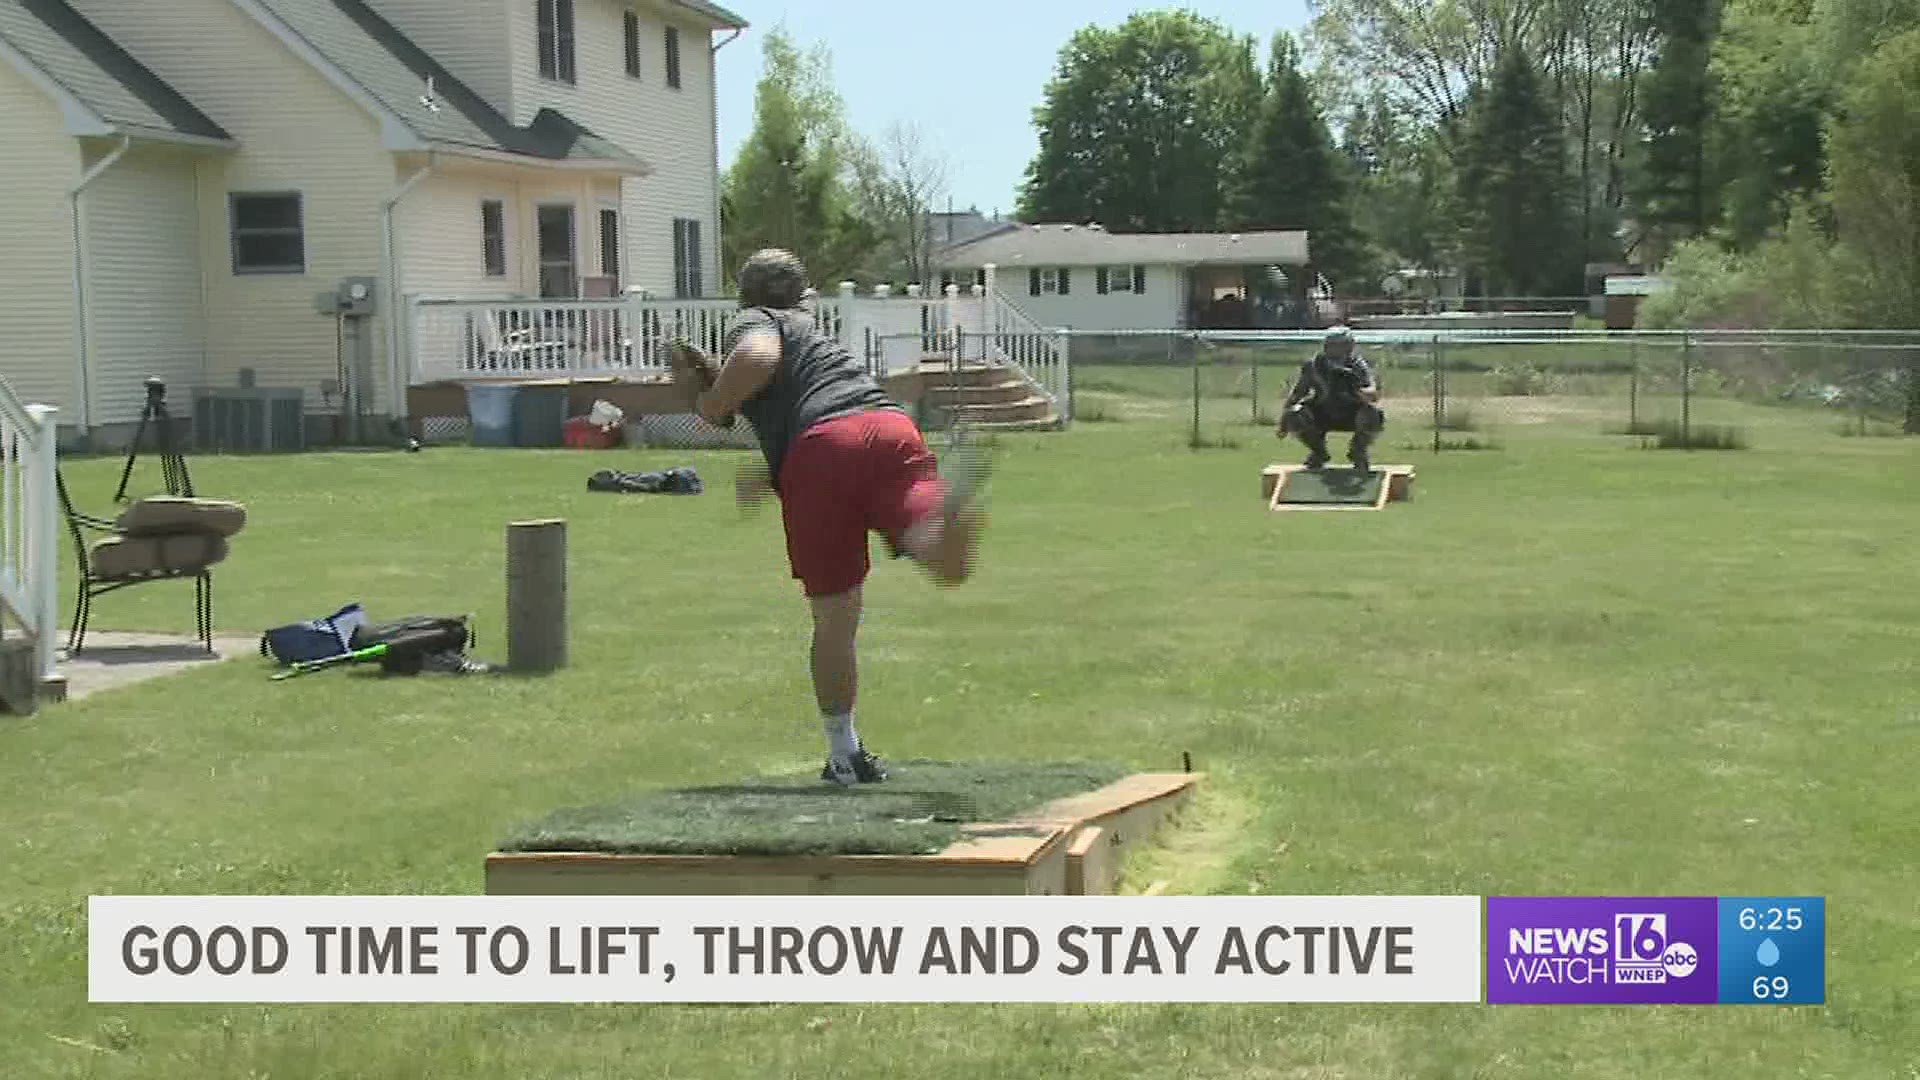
{"x":951,"y":227}
{"x":207,"y":190}
{"x":1086,"y":278}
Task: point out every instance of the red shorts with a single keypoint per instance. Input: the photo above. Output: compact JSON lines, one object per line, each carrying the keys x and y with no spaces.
{"x":846,"y":477}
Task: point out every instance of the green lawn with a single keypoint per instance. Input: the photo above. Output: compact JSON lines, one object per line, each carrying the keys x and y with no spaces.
{"x":1570,"y":666}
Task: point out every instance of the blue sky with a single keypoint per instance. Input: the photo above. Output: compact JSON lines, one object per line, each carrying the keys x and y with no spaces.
{"x":897,"y":63}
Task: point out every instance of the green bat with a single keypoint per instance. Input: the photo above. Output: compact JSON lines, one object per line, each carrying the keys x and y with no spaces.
{"x":371,"y":652}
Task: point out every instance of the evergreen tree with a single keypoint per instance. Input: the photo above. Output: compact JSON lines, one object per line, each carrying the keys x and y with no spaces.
{"x":1292,"y":177}
{"x":1512,"y":186}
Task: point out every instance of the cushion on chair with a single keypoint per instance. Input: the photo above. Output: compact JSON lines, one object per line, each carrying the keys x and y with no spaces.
{"x":141,"y":556}
{"x":165,"y":515}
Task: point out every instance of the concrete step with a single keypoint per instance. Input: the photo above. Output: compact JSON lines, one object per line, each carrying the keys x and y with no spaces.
{"x":1030,"y":408}
{"x":969,"y":374}
{"x":1005,"y":391}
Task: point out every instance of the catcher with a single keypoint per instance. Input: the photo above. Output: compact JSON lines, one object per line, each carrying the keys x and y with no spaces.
{"x":845,"y":460}
{"x":1336,"y":391}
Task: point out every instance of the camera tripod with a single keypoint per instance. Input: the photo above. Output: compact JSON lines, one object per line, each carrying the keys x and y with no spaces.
{"x":173,"y":467}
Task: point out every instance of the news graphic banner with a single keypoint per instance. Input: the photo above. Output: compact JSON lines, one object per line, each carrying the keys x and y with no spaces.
{"x":717,"y":949}
{"x":1685,"y":950}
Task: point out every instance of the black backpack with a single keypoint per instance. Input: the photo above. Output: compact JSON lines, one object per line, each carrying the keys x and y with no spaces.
{"x":412,"y":641}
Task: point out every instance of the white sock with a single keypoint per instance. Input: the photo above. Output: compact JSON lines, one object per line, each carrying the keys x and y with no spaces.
{"x":842,"y":742}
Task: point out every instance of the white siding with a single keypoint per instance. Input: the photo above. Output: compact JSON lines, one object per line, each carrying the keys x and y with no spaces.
{"x":467,"y":40}
{"x":1083,"y":308}
{"x":441,"y":252}
{"x":297,"y":133}
{"x":145,"y":310}
{"x":40,"y":163}
{"x":671,"y":130}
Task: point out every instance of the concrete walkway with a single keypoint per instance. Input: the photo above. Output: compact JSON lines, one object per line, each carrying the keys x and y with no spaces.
{"x":113,"y":659}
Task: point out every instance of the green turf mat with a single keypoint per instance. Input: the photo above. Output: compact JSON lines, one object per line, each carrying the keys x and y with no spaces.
{"x":918,"y":810}
{"x":1341,"y":486}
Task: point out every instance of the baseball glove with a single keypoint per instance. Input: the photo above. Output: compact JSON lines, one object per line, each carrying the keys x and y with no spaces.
{"x":694,"y":373}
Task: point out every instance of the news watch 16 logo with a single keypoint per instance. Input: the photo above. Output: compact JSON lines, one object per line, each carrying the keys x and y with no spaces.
{"x":1598,"y":950}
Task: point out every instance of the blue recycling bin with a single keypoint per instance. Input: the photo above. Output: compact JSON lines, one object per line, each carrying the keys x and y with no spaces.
{"x":490,"y":408}
{"x":540,"y":414}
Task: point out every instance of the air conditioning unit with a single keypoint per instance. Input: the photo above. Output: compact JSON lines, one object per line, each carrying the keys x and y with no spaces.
{"x":249,"y":419}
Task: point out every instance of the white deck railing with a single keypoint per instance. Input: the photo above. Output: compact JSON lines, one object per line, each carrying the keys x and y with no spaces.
{"x":29,"y":524}
{"x":473,"y":340}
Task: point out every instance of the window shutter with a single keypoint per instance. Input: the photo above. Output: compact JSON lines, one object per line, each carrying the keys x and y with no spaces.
{"x":564,"y":33}
{"x":543,"y":19}
{"x":679,"y":259}
{"x":694,"y":268}
{"x":1065,"y":280}
{"x":1033,"y":282}
{"x":1140,"y":280}
{"x":1100,"y":281}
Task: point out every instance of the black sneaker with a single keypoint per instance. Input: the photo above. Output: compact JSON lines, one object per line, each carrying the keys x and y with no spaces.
{"x":862,"y":768}
{"x":1361,"y":462}
{"x":1316,"y":462}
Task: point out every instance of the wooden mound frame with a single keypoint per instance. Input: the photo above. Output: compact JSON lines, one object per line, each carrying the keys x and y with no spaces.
{"x":1397,"y":488}
{"x":1070,"y":847}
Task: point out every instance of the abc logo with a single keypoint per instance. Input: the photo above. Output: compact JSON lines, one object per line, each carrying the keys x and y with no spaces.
{"x":1680,"y":959}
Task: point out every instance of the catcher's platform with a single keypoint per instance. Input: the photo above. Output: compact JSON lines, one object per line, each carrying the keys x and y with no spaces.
{"x":1296,"y":487}
{"x":1071,"y":846}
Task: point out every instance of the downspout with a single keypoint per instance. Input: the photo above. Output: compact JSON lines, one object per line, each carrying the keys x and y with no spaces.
{"x":81,"y":350}
{"x":396,"y":309}
{"x":713,"y":107}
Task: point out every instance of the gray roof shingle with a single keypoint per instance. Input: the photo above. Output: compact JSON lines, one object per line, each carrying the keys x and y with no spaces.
{"x":390,"y":67}
{"x":98,"y":72}
{"x":1080,"y":245}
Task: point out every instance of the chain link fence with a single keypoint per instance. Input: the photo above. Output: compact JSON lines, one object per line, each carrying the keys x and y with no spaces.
{"x":1459,"y":391}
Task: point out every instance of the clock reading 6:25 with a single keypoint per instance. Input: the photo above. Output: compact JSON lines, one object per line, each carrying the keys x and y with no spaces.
{"x":1772,"y":918}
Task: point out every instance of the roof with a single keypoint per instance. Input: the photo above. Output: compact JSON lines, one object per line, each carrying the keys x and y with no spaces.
{"x":387,"y":66}
{"x":1635,"y":285}
{"x":964,"y":226}
{"x":713,"y":13}
{"x":117,"y":93}
{"x":1090,"y":245}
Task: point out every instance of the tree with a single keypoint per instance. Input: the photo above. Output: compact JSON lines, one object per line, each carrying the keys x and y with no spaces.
{"x":915,"y":178}
{"x":1675,"y":194}
{"x":1875,"y":180}
{"x":1141,"y":125}
{"x":1511,"y":167}
{"x":1292,"y":177}
{"x":1765,"y":139}
{"x":788,"y":187}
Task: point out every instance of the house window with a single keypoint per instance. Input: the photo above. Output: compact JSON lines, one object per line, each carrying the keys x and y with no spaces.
{"x":673,"y":57}
{"x":555,"y":227}
{"x":269,"y":236}
{"x":493,"y":236}
{"x":1048,"y":281}
{"x":686,"y":259}
{"x":966,"y":279}
{"x":610,"y":244}
{"x":633,"y":44}
{"x":556,"y":39}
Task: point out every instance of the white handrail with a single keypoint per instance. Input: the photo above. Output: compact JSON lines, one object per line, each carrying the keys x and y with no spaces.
{"x":30,"y":510}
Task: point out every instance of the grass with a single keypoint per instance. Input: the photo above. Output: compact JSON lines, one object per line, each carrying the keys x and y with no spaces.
{"x":1570,"y":668}
{"x":918,"y":811}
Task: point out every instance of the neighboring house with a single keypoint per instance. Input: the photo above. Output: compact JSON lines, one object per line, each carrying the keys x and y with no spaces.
{"x":1085,"y":278}
{"x":189,"y":181}
{"x":951,"y":227}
